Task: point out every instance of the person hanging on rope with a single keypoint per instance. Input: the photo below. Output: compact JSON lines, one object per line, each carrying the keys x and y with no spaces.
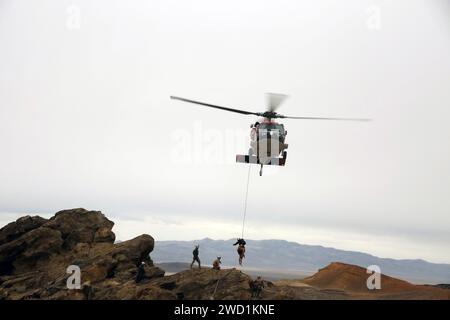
{"x":195,"y":257}
{"x":240,"y":241}
{"x":217,"y":263}
{"x":241,"y":249}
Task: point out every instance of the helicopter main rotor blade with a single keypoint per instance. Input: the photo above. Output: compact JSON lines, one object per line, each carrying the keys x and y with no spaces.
{"x":274,"y":100}
{"x":318,"y":118}
{"x":214,"y":106}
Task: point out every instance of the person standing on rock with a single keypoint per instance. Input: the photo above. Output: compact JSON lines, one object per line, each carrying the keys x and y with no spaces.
{"x":195,"y":257}
{"x":140,"y":273}
{"x":217,"y":263}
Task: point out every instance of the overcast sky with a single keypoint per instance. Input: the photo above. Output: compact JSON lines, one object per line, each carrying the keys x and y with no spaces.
{"x":86,"y":119}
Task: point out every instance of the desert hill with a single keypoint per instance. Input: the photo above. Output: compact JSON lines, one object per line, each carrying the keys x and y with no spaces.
{"x":352,"y":279}
{"x":35,"y":253}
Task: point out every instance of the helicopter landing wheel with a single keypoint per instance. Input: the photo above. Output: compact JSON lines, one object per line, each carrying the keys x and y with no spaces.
{"x":284,"y":155}
{"x":260,"y":171}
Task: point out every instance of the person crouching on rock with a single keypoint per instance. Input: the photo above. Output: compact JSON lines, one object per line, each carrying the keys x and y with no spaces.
{"x":140,"y":272}
{"x":241,"y":249}
{"x":195,"y":257}
{"x":217,"y":263}
{"x":256,"y":286}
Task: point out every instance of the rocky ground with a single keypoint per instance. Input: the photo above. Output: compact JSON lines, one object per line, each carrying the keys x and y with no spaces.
{"x":35,"y":253}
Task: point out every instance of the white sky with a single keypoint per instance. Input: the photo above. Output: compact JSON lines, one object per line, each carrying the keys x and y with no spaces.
{"x":86,"y":120}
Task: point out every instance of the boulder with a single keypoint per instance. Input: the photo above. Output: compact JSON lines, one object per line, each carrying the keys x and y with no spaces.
{"x":21,"y":226}
{"x":35,"y":253}
{"x":81,"y":225}
{"x":29,"y":250}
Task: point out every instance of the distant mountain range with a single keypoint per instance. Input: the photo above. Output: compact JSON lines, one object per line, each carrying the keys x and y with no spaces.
{"x":287,"y":257}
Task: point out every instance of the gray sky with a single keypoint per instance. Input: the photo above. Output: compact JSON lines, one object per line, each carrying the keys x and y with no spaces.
{"x":86,"y":120}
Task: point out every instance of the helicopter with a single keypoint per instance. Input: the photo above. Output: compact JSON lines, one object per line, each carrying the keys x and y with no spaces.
{"x":267,"y":136}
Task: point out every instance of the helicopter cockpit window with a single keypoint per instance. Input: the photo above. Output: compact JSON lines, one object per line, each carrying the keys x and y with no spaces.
{"x":279,"y":128}
{"x":269,"y":133}
{"x":276,"y":129}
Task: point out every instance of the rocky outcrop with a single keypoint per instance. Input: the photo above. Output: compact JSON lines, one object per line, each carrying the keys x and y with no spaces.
{"x":16,"y":229}
{"x":35,"y":253}
{"x":82,"y":226}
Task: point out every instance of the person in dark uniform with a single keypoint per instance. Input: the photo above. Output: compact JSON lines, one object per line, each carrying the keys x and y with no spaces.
{"x":140,"y":273}
{"x":88,"y":290}
{"x":240,"y":241}
{"x":195,"y":257}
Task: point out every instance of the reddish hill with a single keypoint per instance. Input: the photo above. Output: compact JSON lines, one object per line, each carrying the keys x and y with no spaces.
{"x":352,"y":279}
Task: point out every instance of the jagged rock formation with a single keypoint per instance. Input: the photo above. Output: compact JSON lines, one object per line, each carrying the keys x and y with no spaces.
{"x":35,"y":253}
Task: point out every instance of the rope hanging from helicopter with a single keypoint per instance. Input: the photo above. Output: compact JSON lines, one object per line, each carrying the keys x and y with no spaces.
{"x":245,"y":202}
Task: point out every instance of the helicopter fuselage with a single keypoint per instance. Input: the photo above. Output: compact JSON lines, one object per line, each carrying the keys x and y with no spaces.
{"x":267,"y":141}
